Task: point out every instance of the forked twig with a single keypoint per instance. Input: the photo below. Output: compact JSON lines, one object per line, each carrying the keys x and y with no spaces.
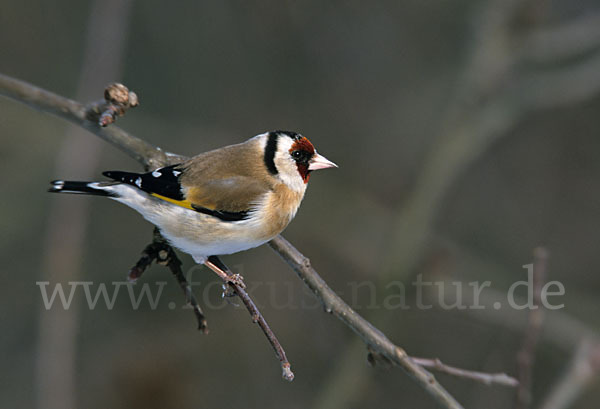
{"x":481,"y":377}
{"x":486,"y":378}
{"x":161,"y":252}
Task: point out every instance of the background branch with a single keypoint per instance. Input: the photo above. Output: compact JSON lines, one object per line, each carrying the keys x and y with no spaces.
{"x":566,"y":40}
{"x":66,"y":232}
{"x":526,"y":355}
{"x":583,"y":369}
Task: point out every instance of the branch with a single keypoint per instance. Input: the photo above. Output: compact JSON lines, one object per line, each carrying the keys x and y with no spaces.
{"x":152,"y":157}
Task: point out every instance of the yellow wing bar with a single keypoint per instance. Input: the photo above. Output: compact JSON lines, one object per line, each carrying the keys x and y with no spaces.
{"x":183,"y":203}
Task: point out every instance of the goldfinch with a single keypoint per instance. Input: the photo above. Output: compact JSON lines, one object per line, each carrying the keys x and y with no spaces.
{"x":222,"y":201}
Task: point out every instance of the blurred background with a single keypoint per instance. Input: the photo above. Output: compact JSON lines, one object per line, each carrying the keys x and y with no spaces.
{"x":466,"y":133}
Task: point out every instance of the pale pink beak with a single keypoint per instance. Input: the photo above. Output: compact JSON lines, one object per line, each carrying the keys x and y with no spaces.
{"x":320,"y":162}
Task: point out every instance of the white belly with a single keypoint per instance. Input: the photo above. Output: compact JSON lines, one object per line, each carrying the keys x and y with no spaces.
{"x":197,"y":234}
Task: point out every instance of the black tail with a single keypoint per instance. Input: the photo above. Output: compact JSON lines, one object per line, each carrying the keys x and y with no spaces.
{"x":88,"y":188}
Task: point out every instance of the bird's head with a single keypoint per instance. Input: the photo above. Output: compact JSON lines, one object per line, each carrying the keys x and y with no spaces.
{"x":292,"y":157}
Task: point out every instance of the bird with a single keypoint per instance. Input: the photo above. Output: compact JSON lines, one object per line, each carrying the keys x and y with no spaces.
{"x":219,"y":202}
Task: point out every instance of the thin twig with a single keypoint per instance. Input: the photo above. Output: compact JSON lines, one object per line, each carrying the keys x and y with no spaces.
{"x":482,"y":377}
{"x":161,"y":252}
{"x":234,"y":280}
{"x":526,"y":356}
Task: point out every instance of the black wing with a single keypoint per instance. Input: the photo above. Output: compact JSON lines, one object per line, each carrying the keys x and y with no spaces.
{"x":162,"y":181}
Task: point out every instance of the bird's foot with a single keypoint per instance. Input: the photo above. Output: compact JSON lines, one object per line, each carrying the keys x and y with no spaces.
{"x":237,"y":280}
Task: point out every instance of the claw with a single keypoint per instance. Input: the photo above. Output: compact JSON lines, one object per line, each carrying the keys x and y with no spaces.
{"x":237,"y":279}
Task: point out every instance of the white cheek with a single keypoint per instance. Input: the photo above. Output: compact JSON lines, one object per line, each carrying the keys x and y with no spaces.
{"x":286,"y":166}
{"x":289,"y":175}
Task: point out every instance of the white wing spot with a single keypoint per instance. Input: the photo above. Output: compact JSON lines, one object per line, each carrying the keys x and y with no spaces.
{"x":138,"y":182}
{"x":176,"y":173}
{"x":156,"y":173}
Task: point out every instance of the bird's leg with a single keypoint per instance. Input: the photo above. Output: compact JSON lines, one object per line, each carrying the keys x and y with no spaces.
{"x":216,"y":265}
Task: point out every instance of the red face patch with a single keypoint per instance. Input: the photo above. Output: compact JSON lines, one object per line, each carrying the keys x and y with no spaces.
{"x":302,"y":151}
{"x":303,"y":144}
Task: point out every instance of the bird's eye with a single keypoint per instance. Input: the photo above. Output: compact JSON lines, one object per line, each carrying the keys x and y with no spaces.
{"x":296,"y":154}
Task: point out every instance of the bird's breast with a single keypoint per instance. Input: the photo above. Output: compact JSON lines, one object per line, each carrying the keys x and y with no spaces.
{"x":276,"y":210}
